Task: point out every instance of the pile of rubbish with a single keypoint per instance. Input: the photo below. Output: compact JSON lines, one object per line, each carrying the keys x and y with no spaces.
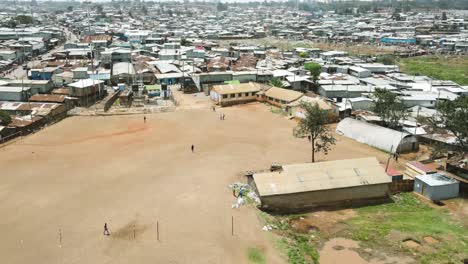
{"x":269,"y":227}
{"x":244,"y":193}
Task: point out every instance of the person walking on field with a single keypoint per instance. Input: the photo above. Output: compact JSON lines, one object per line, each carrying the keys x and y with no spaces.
{"x":193,"y":148}
{"x":144,"y":119}
{"x":106,"y":230}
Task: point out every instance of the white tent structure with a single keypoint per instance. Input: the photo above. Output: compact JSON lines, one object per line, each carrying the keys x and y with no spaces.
{"x":383,"y":138}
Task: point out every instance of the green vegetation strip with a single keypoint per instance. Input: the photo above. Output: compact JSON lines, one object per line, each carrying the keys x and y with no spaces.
{"x":453,"y":68}
{"x":414,"y":220}
{"x":255,"y":256}
{"x":298,"y":248}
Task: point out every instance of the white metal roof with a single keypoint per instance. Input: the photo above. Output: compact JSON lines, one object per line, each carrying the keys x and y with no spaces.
{"x":373,"y":135}
{"x":436,"y":179}
{"x":123,"y":68}
{"x":85,"y":83}
{"x":13,"y":89}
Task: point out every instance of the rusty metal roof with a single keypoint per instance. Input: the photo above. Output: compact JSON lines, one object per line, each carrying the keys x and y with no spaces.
{"x":54,"y":98}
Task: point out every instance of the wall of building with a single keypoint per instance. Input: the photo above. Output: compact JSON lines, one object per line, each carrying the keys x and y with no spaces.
{"x":232,"y":99}
{"x":245,"y":78}
{"x":13,"y":96}
{"x":435,"y":193}
{"x":275,"y":102}
{"x":340,"y":94}
{"x":408,"y":144}
{"x":324,"y":198}
{"x":424,"y":103}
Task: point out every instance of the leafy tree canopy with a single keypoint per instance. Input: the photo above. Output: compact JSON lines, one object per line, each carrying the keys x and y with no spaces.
{"x":314,"y":126}
{"x":5,"y":118}
{"x":276,"y":83}
{"x":389,"y":107}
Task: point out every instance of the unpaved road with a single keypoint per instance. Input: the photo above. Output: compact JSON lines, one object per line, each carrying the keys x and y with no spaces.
{"x":84,"y":171}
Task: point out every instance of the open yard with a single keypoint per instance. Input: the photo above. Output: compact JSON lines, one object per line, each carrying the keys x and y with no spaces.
{"x":59,"y":186}
{"x":286,"y":44}
{"x":454,"y":68}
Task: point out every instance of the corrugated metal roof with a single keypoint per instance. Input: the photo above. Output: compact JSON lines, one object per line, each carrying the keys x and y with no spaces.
{"x":376,"y":136}
{"x":436,"y":179}
{"x":306,"y":177}
{"x":419,"y":166}
{"x":47,"y":98}
{"x":123,"y":68}
{"x":283,"y":94}
{"x":85,"y":83}
{"x":236,"y":88}
{"x":323,"y":103}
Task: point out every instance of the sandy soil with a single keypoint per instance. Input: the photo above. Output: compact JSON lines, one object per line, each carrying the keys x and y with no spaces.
{"x":341,"y":250}
{"x":84,"y":171}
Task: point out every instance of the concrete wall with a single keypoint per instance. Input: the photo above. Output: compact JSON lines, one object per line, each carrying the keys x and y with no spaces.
{"x":424,"y":103}
{"x":436,"y":193}
{"x":275,"y":102}
{"x":13,"y":96}
{"x":408,"y":144}
{"x":244,"y":78}
{"x":341,"y":94}
{"x":362,"y":105}
{"x":324,"y":198}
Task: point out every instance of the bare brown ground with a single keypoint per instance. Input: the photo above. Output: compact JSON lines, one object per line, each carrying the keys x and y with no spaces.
{"x":84,"y":171}
{"x":328,"y":222}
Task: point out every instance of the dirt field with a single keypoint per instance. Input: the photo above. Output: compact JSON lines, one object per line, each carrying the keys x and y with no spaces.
{"x":84,"y":171}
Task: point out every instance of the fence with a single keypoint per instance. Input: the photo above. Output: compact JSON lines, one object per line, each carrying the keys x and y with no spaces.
{"x":401,"y":186}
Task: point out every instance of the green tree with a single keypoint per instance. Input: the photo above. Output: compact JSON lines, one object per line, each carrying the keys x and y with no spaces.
{"x":389,"y":107}
{"x":70,"y":8}
{"x":5,"y":118}
{"x":452,"y":116}
{"x":184,"y":42}
{"x":396,"y":14}
{"x":314,"y":69}
{"x":387,"y":59}
{"x":444,"y":15}
{"x":144,"y":10}
{"x":314,"y":126}
{"x":303,"y":55}
{"x":276,"y":83}
{"x":99,"y":8}
{"x":22,"y":19}
{"x":221,"y":7}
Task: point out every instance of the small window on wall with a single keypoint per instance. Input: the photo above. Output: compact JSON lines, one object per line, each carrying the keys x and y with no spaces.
{"x":225,"y":96}
{"x":246,"y":94}
{"x":233,"y":95}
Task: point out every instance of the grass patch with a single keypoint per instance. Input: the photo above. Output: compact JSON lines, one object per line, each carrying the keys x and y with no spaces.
{"x":454,"y":68}
{"x":278,"y":111}
{"x":298,"y":248}
{"x":414,"y":219}
{"x":255,"y":256}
